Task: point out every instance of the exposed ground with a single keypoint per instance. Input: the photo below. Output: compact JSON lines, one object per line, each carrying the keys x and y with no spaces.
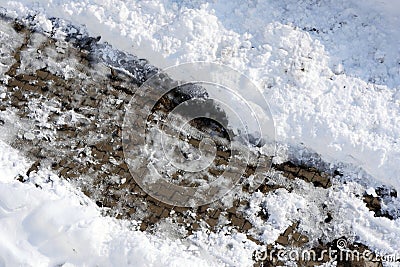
{"x":70,"y":120}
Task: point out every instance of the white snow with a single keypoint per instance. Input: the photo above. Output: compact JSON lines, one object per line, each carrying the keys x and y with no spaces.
{"x":351,"y":218}
{"x":6,"y":50}
{"x":330,"y":70}
{"x":11,"y":164}
{"x":58,"y":225}
{"x":350,"y":117}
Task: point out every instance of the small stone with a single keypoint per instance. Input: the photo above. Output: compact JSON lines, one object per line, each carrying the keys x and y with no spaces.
{"x":283,"y":240}
{"x":247,"y":226}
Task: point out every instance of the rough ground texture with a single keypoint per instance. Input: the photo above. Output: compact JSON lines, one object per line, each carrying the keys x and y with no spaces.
{"x":70,"y":119}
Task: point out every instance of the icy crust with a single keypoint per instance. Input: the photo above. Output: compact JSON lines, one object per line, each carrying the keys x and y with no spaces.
{"x":330,"y":70}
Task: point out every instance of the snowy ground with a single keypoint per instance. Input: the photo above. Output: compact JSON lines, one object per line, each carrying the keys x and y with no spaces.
{"x":330,"y":69}
{"x":331,"y":73}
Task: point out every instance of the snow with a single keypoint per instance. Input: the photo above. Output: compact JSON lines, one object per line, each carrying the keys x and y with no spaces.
{"x":54,"y":224}
{"x":351,"y":218}
{"x":11,"y":164}
{"x":7,"y":49}
{"x":334,"y":93}
{"x":330,"y":70}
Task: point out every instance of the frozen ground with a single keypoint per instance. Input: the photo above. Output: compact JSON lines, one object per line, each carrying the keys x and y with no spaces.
{"x":331,"y":72}
{"x":59,"y":227}
{"x":329,"y":69}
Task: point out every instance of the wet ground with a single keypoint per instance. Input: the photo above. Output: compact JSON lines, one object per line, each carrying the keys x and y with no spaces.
{"x":70,"y":107}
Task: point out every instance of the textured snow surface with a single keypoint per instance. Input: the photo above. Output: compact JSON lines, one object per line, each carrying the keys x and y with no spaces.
{"x":57,"y":225}
{"x":331,"y":72}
